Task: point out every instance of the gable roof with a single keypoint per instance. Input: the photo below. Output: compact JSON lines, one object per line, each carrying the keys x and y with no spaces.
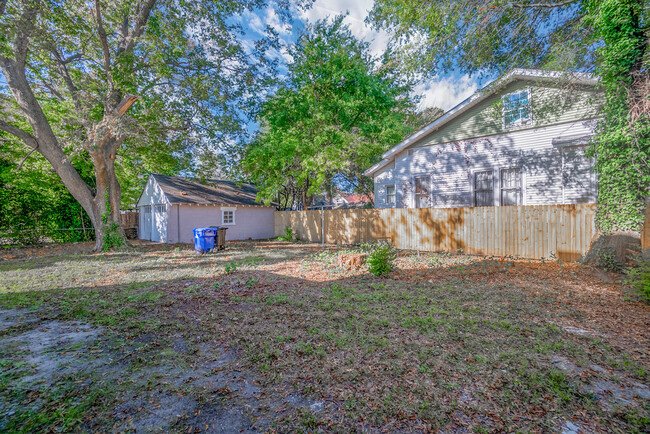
{"x":581,"y":78}
{"x":214,"y":192}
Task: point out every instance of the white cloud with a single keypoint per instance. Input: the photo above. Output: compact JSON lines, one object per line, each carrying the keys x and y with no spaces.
{"x":357,"y":13}
{"x":445,"y":93}
{"x":272,"y":19}
{"x":253,"y":21}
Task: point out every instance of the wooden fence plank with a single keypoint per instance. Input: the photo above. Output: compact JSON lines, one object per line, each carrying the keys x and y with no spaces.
{"x":525,"y":231}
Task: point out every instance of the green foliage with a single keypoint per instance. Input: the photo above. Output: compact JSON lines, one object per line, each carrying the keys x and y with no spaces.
{"x":622,"y":147}
{"x":380,"y":259}
{"x":288,"y":234}
{"x":337,"y":112}
{"x":485,"y":36}
{"x":490,"y":37}
{"x":230,"y":268}
{"x":638,"y":278}
{"x":195,"y":79}
{"x":35,"y":207}
{"x":113,"y":239}
{"x":607,"y":260}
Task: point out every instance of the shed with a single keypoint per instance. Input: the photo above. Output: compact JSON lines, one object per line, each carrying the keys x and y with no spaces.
{"x":172,"y":206}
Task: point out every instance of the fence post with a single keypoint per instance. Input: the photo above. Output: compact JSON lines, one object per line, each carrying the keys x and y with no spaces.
{"x":322,"y":227}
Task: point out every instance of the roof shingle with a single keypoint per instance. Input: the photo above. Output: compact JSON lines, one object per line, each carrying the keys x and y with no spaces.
{"x":213,"y":191}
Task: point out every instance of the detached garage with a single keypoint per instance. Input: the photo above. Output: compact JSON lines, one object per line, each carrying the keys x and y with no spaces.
{"x":171,"y":207}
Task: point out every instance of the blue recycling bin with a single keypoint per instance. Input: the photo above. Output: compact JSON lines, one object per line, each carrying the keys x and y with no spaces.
{"x":204,"y":239}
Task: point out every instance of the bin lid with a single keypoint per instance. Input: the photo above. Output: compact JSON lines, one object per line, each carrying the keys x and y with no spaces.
{"x":204,"y":231}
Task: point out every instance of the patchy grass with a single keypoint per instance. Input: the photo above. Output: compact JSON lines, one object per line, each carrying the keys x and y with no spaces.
{"x":294,"y":343}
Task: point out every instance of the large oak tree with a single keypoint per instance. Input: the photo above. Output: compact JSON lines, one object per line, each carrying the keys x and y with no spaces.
{"x":97,"y":79}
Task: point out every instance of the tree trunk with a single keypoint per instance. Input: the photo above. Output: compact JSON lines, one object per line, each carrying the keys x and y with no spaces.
{"x":108,"y":194}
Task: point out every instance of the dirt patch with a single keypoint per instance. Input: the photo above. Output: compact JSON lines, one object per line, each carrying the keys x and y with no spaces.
{"x":211,"y":394}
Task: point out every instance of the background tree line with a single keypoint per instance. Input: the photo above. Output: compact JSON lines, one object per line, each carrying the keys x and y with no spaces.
{"x":94,"y":95}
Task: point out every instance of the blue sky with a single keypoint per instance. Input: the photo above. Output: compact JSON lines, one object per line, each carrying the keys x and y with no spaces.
{"x":444,"y":92}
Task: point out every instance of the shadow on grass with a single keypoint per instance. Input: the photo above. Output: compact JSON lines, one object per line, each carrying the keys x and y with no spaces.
{"x":473,"y":345}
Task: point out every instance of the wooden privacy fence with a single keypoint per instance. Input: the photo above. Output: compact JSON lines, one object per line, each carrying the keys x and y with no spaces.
{"x":540,"y":231}
{"x":130,"y":219}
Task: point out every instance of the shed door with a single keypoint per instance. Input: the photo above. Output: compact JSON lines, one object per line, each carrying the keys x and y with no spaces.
{"x":145,"y":223}
{"x":159,"y":232}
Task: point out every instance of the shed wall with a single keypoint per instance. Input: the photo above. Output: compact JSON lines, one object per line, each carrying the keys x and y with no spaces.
{"x":250,"y":222}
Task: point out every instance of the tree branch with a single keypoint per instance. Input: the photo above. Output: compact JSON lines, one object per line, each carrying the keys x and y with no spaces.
{"x":74,"y":92}
{"x":104,"y":42}
{"x":126,"y":103}
{"x":139,"y":25}
{"x":25,"y":27}
{"x":20,"y":166}
{"x":17,"y":132}
{"x":71,"y":58}
{"x":542,"y":5}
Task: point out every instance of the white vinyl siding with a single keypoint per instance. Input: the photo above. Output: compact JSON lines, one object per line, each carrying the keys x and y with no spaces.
{"x":544,"y":168}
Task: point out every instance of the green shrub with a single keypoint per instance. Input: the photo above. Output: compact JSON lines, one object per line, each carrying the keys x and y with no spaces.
{"x":607,"y":260}
{"x":112,"y":237}
{"x":380,"y":259}
{"x":288,"y":235}
{"x":638,"y":278}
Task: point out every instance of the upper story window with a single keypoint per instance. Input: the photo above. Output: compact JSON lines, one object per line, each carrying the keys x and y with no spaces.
{"x":517,"y":109}
{"x":390,"y":195}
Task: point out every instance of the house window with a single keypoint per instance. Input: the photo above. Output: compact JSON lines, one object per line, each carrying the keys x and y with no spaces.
{"x":483,"y":188}
{"x":390,"y":195}
{"x":516,"y":109}
{"x":510,"y":187}
{"x":422,"y":191}
{"x":228,"y":216}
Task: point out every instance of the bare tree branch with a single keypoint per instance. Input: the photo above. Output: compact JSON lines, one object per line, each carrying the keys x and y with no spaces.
{"x":144,"y":10}
{"x":542,"y":5}
{"x":71,"y":58}
{"x":74,"y":92}
{"x":23,"y":32}
{"x":20,"y":166}
{"x":104,"y":42}
{"x":26,"y":137}
{"x":126,"y":103}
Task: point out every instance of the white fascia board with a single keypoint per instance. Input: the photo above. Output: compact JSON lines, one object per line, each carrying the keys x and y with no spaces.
{"x":582,"y":78}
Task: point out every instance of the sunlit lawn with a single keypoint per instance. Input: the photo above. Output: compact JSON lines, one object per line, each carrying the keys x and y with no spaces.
{"x":455,"y":343}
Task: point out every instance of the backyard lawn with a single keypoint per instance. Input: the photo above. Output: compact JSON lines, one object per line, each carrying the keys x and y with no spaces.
{"x":275,"y":336}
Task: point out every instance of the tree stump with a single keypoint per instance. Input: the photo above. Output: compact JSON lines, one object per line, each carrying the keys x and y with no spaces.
{"x":352,"y":261}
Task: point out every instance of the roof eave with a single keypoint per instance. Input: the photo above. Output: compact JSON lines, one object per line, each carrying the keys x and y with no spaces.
{"x":582,"y":78}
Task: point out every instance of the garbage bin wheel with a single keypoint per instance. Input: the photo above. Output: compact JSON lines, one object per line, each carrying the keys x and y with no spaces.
{"x":200,"y":251}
